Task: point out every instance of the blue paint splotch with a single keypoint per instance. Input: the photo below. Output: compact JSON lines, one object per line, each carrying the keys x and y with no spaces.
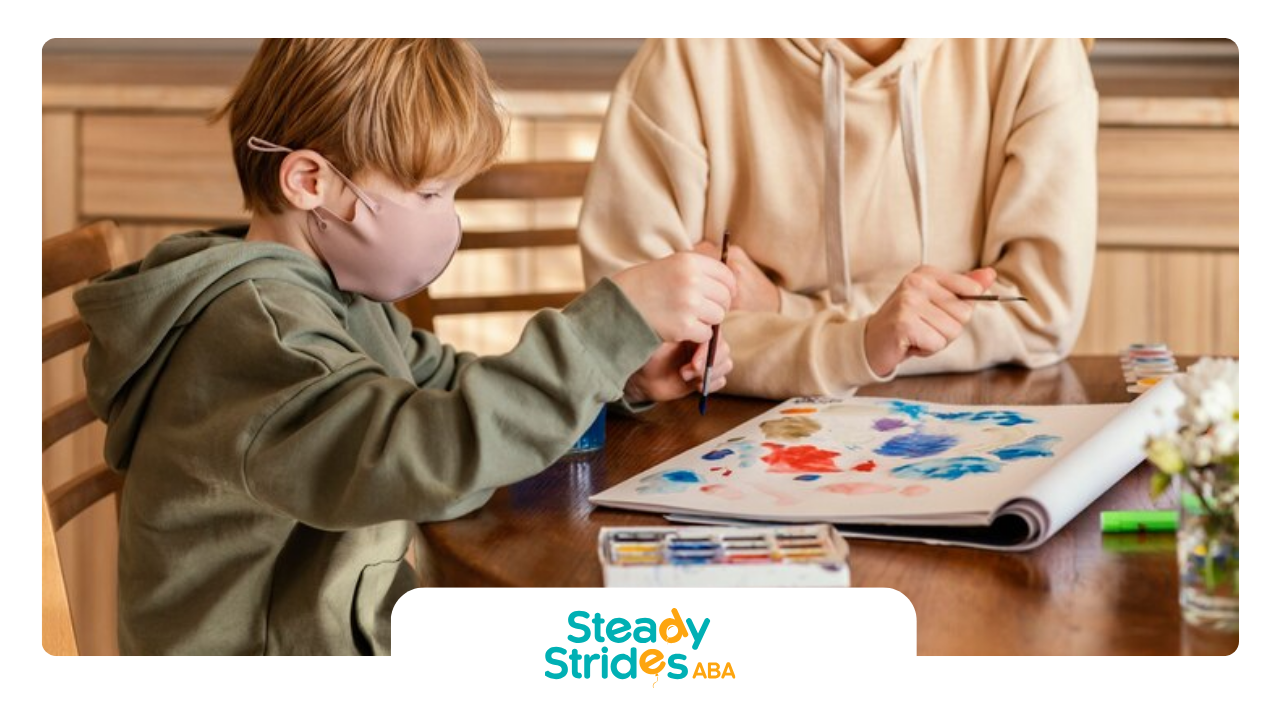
{"x":748,"y":452}
{"x":948,"y":469}
{"x":807,"y":478}
{"x":915,"y":411}
{"x":717,"y":454}
{"x":1034,"y":447}
{"x":919,"y":411}
{"x":886,"y":424}
{"x":917,"y":445}
{"x":669,"y":482}
{"x":1003,"y":418}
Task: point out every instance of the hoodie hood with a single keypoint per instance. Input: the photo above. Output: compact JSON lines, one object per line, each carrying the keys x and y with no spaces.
{"x":137,"y":314}
{"x":858,"y":72}
{"x":843,"y":70}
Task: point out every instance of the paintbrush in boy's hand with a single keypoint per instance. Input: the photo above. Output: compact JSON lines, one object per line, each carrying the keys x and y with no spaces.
{"x":715,"y":339}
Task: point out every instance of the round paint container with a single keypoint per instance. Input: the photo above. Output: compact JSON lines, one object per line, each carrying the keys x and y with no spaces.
{"x":593,"y":438}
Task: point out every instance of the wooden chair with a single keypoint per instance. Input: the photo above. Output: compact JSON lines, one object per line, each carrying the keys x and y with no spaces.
{"x":509,"y":181}
{"x":67,"y":260}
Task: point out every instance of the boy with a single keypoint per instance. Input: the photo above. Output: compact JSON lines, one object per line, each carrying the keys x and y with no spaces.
{"x":281,"y":426}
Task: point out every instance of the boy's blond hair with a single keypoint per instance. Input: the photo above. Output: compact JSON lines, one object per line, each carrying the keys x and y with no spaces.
{"x":412,"y":109}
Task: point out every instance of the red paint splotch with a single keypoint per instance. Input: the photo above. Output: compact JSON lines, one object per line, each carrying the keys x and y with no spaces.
{"x":799,"y":459}
{"x":723,"y":491}
{"x":867,"y":466}
{"x":856,"y":488}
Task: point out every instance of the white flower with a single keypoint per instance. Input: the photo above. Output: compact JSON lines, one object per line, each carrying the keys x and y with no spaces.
{"x":1211,"y":389}
{"x":1226,"y":439}
{"x":1195,"y":449}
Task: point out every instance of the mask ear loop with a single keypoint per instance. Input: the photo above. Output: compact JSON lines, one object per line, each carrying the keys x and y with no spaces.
{"x":257,"y":144}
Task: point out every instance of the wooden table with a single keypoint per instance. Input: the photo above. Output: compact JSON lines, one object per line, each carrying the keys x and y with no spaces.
{"x":1080,"y":593}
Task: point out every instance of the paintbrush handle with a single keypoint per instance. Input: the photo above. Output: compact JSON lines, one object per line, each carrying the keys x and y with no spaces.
{"x":715,"y":338}
{"x":994,"y":298}
{"x":711,"y":358}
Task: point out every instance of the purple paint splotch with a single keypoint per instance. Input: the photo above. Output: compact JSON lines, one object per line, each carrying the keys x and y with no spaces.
{"x":948,"y":469}
{"x":1033,"y":447}
{"x":718,"y":454}
{"x":886,"y":424}
{"x":917,"y":445}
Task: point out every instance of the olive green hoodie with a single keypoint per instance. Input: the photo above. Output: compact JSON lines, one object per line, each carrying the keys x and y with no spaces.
{"x":280,"y":438}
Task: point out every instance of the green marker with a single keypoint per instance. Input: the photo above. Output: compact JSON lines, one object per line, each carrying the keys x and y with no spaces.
{"x":1129,"y":521}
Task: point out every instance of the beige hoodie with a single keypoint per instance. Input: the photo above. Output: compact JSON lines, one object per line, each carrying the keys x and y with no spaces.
{"x":954,"y":153}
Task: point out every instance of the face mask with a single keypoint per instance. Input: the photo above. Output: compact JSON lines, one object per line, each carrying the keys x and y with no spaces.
{"x":387,"y":251}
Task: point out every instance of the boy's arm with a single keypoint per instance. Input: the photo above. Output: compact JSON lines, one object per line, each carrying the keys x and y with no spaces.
{"x":347,"y":446}
{"x":432,"y":363}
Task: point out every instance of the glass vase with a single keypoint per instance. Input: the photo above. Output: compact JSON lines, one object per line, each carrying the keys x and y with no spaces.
{"x":1208,"y":555}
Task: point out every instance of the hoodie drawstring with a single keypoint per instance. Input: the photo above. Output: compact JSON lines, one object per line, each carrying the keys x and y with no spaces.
{"x":912,"y":128}
{"x":833,"y":177}
{"x":913,"y":149}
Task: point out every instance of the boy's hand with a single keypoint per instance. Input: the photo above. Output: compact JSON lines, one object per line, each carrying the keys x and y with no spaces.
{"x":675,"y":370}
{"x":756,"y":292}
{"x":681,"y":296}
{"x":922,"y":316}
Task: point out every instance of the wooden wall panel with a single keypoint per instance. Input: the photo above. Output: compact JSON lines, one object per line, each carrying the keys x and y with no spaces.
{"x":1189,"y":299}
{"x":175,"y":167}
{"x":1169,"y":187}
{"x":1227,"y":298}
{"x":60,"y":148}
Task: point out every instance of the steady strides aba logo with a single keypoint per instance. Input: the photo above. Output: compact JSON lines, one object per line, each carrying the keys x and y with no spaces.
{"x":624,"y":662}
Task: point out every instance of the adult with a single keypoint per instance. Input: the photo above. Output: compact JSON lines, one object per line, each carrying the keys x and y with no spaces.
{"x":869,"y":185}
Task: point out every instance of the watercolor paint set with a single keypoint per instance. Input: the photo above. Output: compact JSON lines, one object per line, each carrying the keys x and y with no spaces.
{"x":1146,"y":364}
{"x":700,"y":556}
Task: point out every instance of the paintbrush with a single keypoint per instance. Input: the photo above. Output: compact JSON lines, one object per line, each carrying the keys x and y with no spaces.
{"x":715,"y":338}
{"x":994,"y":298}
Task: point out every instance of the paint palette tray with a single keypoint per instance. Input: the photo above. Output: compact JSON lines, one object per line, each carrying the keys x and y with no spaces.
{"x":700,"y":556}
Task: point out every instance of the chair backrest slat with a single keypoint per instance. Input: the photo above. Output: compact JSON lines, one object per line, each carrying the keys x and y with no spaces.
{"x":62,"y":336}
{"x":80,"y":493}
{"x":68,"y":260}
{"x":64,"y":419}
{"x":500,"y":303}
{"x":57,"y":633}
{"x":528,"y":181}
{"x":79,"y":255}
{"x":481,"y":240}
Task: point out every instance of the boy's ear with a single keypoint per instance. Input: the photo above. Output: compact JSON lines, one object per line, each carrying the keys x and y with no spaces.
{"x":304,"y":179}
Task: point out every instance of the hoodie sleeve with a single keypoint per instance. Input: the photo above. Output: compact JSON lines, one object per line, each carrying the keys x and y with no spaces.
{"x":1041,"y":234}
{"x":432,"y":363}
{"x":342,"y":444}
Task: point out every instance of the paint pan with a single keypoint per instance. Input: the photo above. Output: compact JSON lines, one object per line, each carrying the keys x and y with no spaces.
{"x":766,"y":556}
